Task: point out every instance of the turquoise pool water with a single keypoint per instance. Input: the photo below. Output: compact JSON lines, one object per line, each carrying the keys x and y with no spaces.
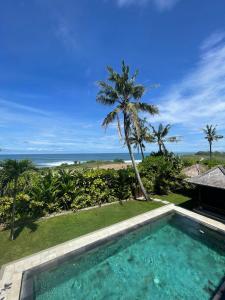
{"x":173,"y":258}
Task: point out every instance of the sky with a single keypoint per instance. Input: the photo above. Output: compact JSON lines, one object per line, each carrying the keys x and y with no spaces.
{"x":53,"y":52}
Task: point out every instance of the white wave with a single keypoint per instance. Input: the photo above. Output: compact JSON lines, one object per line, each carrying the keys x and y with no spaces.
{"x":57,"y":163}
{"x":136,"y":160}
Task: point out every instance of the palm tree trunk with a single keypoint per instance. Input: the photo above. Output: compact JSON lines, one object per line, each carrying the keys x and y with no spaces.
{"x":13,"y":211}
{"x":210,"y":150}
{"x":142,"y":153}
{"x":126,"y":128}
{"x":160,"y":147}
{"x":164,"y":148}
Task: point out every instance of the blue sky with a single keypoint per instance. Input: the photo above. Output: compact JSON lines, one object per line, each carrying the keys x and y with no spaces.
{"x":53,"y":52}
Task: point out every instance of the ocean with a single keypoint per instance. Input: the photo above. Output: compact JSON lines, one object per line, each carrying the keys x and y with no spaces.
{"x":53,"y":160}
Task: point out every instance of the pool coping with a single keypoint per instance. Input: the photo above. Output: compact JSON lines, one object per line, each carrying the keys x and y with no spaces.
{"x":11,"y":273}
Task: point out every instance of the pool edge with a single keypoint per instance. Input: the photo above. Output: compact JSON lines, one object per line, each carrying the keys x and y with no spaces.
{"x":12,"y":272}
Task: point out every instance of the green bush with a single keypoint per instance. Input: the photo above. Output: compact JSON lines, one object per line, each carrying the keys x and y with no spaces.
{"x":5,"y":209}
{"x":161,"y":173}
{"x":189,"y":161}
{"x":48,"y":191}
{"x":212,"y":163}
{"x":118,"y":160}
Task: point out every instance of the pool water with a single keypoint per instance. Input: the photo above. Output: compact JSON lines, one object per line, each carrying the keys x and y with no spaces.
{"x":173,"y":258}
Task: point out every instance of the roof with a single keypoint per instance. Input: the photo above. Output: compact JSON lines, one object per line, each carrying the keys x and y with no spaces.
{"x":215,"y":177}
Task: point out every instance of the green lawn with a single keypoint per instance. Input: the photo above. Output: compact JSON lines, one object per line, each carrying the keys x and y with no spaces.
{"x":174,"y":198}
{"x":44,"y":234}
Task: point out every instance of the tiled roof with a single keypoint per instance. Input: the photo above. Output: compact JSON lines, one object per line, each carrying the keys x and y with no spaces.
{"x":215,"y":177}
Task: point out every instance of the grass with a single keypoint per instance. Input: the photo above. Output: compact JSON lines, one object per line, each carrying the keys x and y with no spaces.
{"x":40,"y":235}
{"x":177,"y":199}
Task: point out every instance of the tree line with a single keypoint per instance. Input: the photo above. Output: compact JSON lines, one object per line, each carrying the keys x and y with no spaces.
{"x":121,"y":91}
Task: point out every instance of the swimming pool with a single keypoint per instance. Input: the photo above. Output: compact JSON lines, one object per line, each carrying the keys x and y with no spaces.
{"x":172,"y":257}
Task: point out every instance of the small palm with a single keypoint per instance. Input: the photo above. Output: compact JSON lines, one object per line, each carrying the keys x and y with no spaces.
{"x":160,"y":136}
{"x":11,"y":170}
{"x":211,"y":136}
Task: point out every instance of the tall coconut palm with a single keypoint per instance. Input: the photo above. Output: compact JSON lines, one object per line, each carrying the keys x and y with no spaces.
{"x":211,"y":135}
{"x":121,"y":91}
{"x":12,"y":170}
{"x":138,"y":140}
{"x":160,"y":137}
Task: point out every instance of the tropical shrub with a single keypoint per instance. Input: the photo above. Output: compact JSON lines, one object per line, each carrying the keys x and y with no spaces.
{"x":189,"y":161}
{"x":213,"y":162}
{"x":162,"y":173}
{"x":47,"y":191}
{"x":5,"y":209}
{"x":22,"y":207}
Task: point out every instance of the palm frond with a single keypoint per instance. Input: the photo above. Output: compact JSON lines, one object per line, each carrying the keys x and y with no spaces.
{"x":111,"y":117}
{"x":138,"y":91}
{"x":145,"y":107}
{"x":172,"y":139}
{"x":211,"y":134}
{"x":165,"y":130}
{"x":119,"y":127}
{"x":218,"y":137}
{"x":105,"y":100}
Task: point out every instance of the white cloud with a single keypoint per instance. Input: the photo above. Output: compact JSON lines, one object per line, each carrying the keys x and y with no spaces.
{"x":161,"y":5}
{"x":199,"y":98}
{"x":165,"y":4}
{"x":213,"y":40}
{"x":66,"y":35}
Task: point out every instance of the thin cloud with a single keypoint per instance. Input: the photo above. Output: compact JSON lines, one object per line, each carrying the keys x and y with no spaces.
{"x":213,"y":40}
{"x":37,"y":131}
{"x":66,"y":35}
{"x":161,"y":5}
{"x":17,"y":106}
{"x":200,"y":97}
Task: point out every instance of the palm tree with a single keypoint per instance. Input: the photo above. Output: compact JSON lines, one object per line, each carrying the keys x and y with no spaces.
{"x":160,"y":137}
{"x":211,"y":135}
{"x":12,"y":170}
{"x":64,"y":188}
{"x":122,"y":92}
{"x":137,"y":140}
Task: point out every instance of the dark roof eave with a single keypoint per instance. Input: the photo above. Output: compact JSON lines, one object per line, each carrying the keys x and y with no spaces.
{"x":206,"y":185}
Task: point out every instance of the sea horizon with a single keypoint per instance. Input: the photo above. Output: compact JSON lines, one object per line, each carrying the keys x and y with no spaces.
{"x":55,"y":159}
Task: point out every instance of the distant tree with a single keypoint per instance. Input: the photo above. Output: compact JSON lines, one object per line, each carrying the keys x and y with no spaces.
{"x":160,"y":137}
{"x":122,"y":91}
{"x":211,"y":136}
{"x":11,"y":170}
{"x":138,"y":139}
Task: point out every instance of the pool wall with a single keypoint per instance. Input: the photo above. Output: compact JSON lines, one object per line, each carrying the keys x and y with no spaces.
{"x":12,"y":273}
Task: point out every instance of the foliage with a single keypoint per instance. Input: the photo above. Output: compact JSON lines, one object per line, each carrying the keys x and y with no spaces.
{"x":118,"y":160}
{"x":138,"y":138}
{"x":206,"y":153}
{"x":162,"y":173}
{"x":122,"y":92}
{"x":47,"y":191}
{"x":11,"y":170}
{"x":211,"y":136}
{"x":5,"y":209}
{"x":189,"y":161}
{"x":160,"y":137}
{"x":210,"y":163}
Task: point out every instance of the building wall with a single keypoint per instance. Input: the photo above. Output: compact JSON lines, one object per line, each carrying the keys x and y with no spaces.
{"x":213,"y":198}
